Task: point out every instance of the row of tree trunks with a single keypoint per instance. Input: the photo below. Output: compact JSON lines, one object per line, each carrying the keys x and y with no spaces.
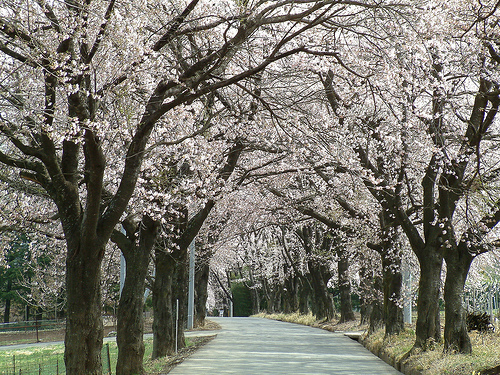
{"x":316,"y":241}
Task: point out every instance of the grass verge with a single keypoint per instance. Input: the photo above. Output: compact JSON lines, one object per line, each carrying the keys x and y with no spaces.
{"x":49,"y":360}
{"x":485,"y":354}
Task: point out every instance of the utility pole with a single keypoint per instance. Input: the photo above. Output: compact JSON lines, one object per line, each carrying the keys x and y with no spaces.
{"x":190,"y":320}
{"x":407,"y":299}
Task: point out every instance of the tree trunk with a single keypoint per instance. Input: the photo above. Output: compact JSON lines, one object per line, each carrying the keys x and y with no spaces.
{"x":393,"y":280}
{"x":163,"y":306}
{"x":456,"y":337}
{"x":377,"y":307}
{"x":130,"y":326}
{"x":254,"y":294}
{"x":304,"y":293}
{"x":84,"y":327}
{"x":180,"y":291}
{"x":201,"y":294}
{"x":428,"y":326}
{"x":366,"y":288}
{"x":290,"y":303}
{"x":6,"y":313}
{"x":346,"y":312}
{"x":322,"y":303}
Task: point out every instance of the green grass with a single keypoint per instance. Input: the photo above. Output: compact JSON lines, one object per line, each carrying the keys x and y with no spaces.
{"x":50,"y":359}
{"x":485,"y":353}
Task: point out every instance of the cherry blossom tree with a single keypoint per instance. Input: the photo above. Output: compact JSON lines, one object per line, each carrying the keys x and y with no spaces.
{"x":65,"y":62}
{"x":424,"y":96}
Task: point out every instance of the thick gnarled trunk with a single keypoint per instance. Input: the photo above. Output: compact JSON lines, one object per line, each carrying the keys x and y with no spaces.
{"x":393,"y":281}
{"x":130,"y":325}
{"x":456,"y":337}
{"x":180,"y":292}
{"x":170,"y":286}
{"x":322,"y":302}
{"x":163,"y":310}
{"x":84,"y":326}
{"x":428,"y":326}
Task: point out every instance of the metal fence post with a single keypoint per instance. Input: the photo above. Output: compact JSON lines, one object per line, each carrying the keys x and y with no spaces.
{"x":109,"y":359}
{"x":176,"y":324}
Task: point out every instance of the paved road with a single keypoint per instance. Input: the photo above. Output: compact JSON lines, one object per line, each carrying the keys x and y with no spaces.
{"x":254,"y":346}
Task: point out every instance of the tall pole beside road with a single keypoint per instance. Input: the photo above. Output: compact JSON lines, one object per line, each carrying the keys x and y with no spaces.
{"x":190,"y":320}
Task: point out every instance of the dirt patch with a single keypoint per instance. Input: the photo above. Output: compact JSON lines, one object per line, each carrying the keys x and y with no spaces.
{"x":208,"y":326}
{"x":333,"y":326}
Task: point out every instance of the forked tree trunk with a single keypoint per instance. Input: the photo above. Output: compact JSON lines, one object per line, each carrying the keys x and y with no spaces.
{"x":456,"y":337}
{"x":130,"y":326}
{"x":84,"y":327}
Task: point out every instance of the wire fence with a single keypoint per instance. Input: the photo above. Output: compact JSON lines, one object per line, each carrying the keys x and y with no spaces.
{"x":46,"y":364}
{"x":32,"y":325}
